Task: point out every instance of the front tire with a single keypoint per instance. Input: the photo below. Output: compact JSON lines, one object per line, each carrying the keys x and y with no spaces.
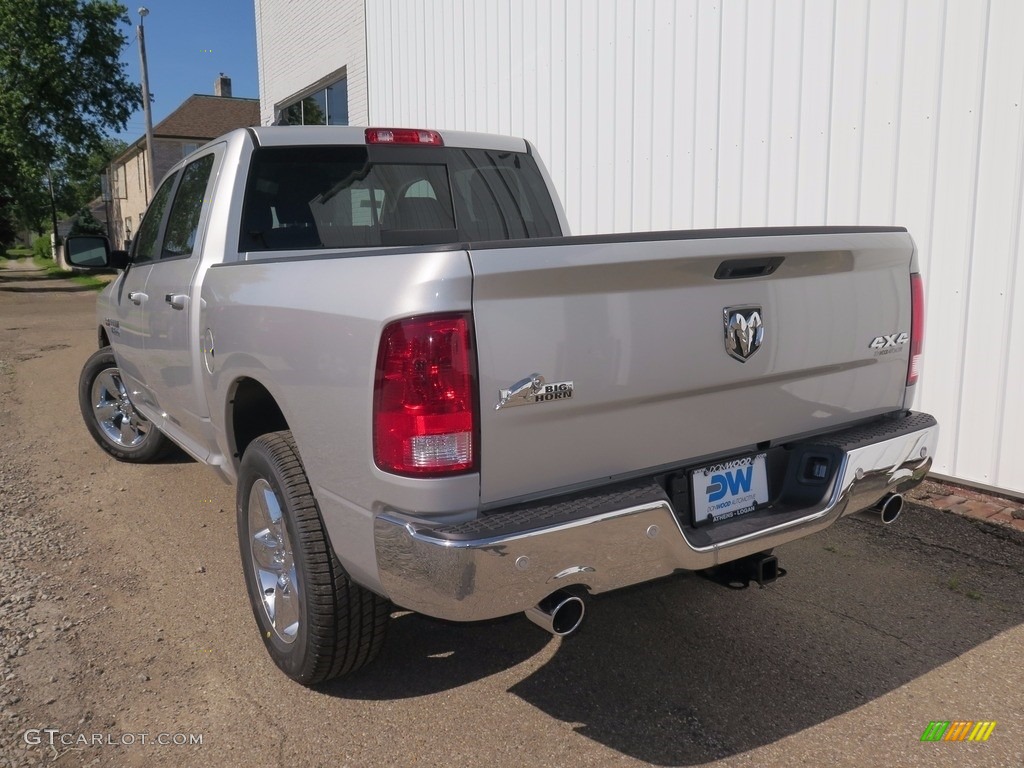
{"x":316,"y":623}
{"x":111,"y":418}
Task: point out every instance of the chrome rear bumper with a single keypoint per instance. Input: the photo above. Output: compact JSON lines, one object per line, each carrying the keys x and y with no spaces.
{"x":506,"y":563}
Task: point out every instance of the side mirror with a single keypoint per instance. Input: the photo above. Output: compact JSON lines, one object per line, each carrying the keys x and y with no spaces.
{"x":93,"y":252}
{"x":119,"y":259}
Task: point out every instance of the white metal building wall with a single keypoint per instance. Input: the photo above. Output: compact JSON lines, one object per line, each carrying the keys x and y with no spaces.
{"x":661,"y":114}
{"x":301,"y":42}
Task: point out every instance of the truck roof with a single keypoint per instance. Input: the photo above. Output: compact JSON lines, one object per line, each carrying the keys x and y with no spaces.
{"x":311,"y":135}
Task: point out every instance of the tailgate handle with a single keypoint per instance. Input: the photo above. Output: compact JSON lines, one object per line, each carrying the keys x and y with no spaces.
{"x":735,"y":269}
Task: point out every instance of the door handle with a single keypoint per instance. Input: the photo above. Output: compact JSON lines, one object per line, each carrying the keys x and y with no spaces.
{"x":137,"y":297}
{"x":176,"y":300}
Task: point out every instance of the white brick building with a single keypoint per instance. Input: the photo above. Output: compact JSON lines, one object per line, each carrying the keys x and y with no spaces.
{"x":662,"y":114}
{"x":305,"y":46}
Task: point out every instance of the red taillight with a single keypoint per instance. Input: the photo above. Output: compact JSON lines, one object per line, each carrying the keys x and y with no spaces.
{"x":403,"y":136}
{"x":916,"y":328}
{"x":424,"y":401}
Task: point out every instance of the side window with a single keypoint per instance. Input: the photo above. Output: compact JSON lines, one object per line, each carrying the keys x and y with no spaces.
{"x":145,"y":242}
{"x":183,"y":221}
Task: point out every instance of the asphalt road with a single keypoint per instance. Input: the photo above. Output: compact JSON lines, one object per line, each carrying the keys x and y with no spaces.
{"x":141,"y":625}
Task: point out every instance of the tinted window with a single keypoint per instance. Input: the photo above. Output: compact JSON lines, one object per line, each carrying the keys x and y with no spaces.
{"x":500,"y":196}
{"x":183,"y":221}
{"x":145,"y":242}
{"x":336,"y":197}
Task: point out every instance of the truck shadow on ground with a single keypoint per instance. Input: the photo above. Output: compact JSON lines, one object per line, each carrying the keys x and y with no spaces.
{"x":424,"y":656}
{"x":684,"y":672}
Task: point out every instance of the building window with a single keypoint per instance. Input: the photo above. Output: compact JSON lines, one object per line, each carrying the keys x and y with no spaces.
{"x":188,"y":149}
{"x":325,"y":106}
{"x":121,"y":182}
{"x":337,"y":102}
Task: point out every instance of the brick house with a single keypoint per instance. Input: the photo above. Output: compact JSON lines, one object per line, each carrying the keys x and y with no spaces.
{"x":199,"y":119}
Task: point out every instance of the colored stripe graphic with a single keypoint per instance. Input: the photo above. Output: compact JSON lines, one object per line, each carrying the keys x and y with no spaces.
{"x":982,"y":731}
{"x":958,"y":730}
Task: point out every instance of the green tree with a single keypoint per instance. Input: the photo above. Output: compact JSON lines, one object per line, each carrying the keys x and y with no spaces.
{"x":86,"y":224}
{"x":80,"y":178}
{"x":62,"y":85}
{"x":8,"y":231}
{"x":24,"y":187}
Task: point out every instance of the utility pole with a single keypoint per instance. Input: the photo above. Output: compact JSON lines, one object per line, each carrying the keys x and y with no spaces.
{"x":53,"y":211}
{"x":146,"y":98}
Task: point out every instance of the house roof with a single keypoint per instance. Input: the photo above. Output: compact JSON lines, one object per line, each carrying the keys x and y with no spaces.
{"x":207,"y":117}
{"x":201,"y":118}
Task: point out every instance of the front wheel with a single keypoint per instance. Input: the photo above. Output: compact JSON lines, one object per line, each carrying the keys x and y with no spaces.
{"x":111,"y":418}
{"x":316,"y":623}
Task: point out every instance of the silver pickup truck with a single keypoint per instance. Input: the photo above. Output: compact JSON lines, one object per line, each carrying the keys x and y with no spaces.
{"x":429,"y":396}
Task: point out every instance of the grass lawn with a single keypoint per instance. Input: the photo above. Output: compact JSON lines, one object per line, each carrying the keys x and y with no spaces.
{"x":54,"y":271}
{"x":15,"y":253}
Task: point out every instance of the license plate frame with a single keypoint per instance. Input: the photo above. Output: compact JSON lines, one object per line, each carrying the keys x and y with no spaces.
{"x":728,"y":488}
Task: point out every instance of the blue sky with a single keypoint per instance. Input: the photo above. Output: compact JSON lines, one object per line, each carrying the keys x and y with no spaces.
{"x":188,"y":44}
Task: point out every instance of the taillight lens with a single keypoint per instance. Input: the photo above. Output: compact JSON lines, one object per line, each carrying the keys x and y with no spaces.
{"x":916,"y":328}
{"x":424,"y":400}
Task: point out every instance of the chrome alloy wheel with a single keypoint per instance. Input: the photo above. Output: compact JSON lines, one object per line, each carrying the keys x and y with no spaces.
{"x":273,"y":561}
{"x":115,"y":415}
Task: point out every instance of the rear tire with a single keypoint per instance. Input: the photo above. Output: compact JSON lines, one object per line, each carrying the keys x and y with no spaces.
{"x":316,"y":623}
{"x":111,"y":418}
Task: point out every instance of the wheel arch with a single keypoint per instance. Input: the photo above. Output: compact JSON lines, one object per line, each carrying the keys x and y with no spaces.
{"x":252,"y":411}
{"x":102,"y":337}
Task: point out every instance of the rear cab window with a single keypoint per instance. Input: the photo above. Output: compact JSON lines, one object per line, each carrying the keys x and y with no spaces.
{"x":329,"y":197}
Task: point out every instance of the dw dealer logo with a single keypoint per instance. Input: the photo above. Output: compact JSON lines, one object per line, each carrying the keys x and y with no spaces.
{"x":733,"y":483}
{"x":958,"y":730}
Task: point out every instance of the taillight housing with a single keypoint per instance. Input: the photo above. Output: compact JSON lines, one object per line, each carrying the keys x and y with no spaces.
{"x":404,"y":136}
{"x":916,"y":328}
{"x":424,"y":398}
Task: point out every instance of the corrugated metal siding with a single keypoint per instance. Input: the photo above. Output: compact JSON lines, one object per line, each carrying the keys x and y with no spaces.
{"x":658,"y":114}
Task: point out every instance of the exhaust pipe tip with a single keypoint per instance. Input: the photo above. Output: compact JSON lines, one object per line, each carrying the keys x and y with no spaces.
{"x":890,"y":507}
{"x":559,"y":613}
{"x":766,"y":570}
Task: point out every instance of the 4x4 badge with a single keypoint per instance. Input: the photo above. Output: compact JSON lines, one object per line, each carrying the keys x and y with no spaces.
{"x":744,"y":331}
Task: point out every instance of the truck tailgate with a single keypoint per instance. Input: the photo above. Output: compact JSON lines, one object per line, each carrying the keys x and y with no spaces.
{"x":638,"y":326}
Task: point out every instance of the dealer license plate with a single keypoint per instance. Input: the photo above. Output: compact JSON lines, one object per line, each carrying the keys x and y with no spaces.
{"x":729,"y":488}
